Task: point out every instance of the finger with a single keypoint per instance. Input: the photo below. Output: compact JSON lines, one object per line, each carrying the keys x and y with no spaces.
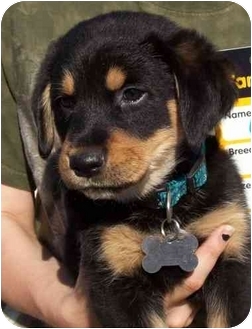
{"x":179,"y":316}
{"x":207,"y":254}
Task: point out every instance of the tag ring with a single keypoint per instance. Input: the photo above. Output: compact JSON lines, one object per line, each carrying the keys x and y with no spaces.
{"x":175,"y":229}
{"x":168,"y":207}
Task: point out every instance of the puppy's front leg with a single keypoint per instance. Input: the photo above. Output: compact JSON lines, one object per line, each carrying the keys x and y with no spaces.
{"x":121,"y":293}
{"x":227,"y":294}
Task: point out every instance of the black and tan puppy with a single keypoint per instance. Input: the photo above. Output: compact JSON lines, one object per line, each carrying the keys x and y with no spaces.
{"x":126,"y":101}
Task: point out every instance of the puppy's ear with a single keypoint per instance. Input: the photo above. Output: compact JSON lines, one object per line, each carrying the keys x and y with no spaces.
{"x":41,"y":104}
{"x":205,"y":82}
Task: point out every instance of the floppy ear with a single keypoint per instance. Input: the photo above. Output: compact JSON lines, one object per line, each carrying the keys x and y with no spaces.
{"x":41,"y":104}
{"x":207,"y":89}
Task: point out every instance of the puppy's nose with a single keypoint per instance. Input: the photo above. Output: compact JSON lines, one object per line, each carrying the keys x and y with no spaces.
{"x":89,"y":163}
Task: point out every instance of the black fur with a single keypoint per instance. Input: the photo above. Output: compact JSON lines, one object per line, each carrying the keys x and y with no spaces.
{"x":152,"y":50}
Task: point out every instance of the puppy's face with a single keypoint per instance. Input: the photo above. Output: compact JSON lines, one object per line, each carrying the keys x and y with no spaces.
{"x":112,"y":99}
{"x":115,"y":110}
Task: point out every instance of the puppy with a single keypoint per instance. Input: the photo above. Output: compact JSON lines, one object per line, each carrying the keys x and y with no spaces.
{"x":123,"y":105}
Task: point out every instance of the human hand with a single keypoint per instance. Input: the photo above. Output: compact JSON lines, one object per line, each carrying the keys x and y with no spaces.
{"x":179,"y":311}
{"x":74,"y":312}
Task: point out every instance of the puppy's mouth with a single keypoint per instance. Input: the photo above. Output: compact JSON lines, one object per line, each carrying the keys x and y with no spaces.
{"x":108,"y":188}
{"x":104,"y":186}
{"x":107,"y":192}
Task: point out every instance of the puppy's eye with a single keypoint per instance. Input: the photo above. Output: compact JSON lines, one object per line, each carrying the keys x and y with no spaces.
{"x":66,"y":102}
{"x":132,"y":95}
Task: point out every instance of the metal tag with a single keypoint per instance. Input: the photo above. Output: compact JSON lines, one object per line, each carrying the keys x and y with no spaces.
{"x":174,"y":247}
{"x":162,"y":251}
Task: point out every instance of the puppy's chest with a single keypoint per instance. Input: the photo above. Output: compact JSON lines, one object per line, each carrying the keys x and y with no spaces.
{"x":112,"y":237}
{"x":83,"y":214}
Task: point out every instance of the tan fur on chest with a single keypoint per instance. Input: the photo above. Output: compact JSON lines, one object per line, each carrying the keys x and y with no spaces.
{"x":121,"y":244}
{"x":121,"y":249}
{"x":230,"y":214}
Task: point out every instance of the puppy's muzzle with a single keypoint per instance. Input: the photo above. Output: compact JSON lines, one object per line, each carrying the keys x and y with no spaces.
{"x":89,"y":163}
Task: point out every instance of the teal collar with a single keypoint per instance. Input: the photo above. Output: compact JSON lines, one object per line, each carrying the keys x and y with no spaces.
{"x":183,"y":184}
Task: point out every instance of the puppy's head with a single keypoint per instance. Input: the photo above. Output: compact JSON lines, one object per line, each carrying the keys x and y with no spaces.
{"x":123,"y":91}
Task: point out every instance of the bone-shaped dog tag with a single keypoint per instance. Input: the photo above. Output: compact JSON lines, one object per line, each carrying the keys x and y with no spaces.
{"x":161,"y":251}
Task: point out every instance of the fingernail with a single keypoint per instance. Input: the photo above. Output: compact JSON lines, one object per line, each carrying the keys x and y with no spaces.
{"x":227,"y":232}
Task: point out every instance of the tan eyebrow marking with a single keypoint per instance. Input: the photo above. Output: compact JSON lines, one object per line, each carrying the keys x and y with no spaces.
{"x":115,"y":78}
{"x":68,"y":83}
